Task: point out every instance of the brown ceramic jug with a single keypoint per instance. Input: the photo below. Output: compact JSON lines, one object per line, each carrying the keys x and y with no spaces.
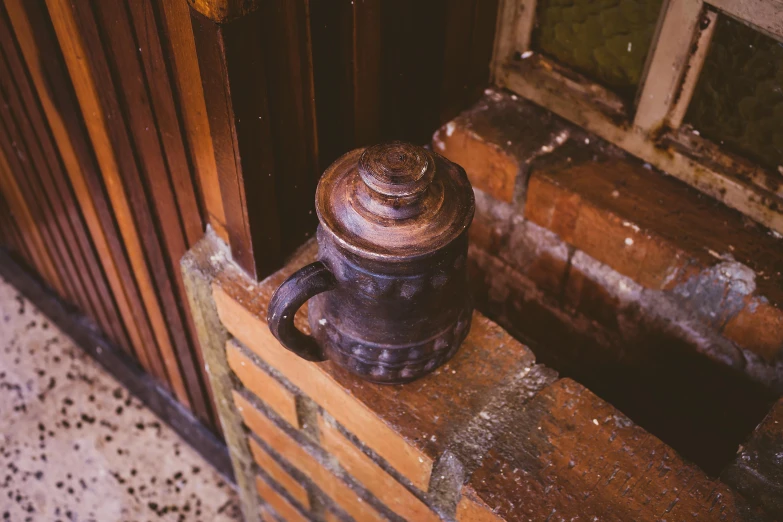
{"x":389,"y":298}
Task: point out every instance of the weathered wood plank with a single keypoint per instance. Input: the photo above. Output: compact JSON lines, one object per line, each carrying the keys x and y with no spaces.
{"x":85,"y":80}
{"x":115,"y":63}
{"x":182,"y":49}
{"x":65,"y":121}
{"x":235,"y":91}
{"x":57,"y":187}
{"x":31,"y":233}
{"x":572,"y":455}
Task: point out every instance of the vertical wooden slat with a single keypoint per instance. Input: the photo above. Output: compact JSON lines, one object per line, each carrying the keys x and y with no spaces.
{"x":101,"y":134}
{"x":36,"y":39}
{"x":366,"y":47}
{"x":6,"y":238}
{"x":287,"y":58}
{"x":12,"y":236}
{"x":32,"y":234}
{"x":395,"y":70}
{"x":17,"y":241}
{"x":470,"y":30}
{"x":58,"y":189}
{"x":191,"y":96}
{"x":26,"y":178}
{"x":333,"y":43}
{"x":151,"y":189}
{"x":235,"y":90}
{"x":147,"y":28}
{"x":147,"y":33}
{"x":412,"y":49}
{"x":38,"y":177}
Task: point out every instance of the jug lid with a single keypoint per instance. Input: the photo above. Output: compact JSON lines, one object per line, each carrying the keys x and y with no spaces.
{"x":394,"y":201}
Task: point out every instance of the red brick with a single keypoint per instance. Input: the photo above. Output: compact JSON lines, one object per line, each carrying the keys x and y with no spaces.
{"x":263,"y":385}
{"x":573,"y":455}
{"x":603,"y":237}
{"x":496,"y":139}
{"x":278,"y":474}
{"x":283,"y":444}
{"x":488,"y":167}
{"x":470,"y":509}
{"x":329,"y":516}
{"x":538,"y":254}
{"x":410,"y":439}
{"x":484,"y":234}
{"x":759,"y":328}
{"x":371,"y":475}
{"x":552,"y":207}
{"x":279,"y":503}
{"x":669,"y":225}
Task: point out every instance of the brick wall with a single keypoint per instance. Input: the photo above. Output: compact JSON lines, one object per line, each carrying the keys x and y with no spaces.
{"x":661,"y":300}
{"x":493,"y":435}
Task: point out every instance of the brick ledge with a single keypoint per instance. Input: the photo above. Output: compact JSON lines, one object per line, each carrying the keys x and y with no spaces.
{"x":470,"y":407}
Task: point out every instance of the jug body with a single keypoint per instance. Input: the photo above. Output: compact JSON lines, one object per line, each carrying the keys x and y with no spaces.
{"x":388,"y":296}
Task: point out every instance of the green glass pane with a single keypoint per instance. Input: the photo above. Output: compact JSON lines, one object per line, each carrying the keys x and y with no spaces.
{"x":606,"y":40}
{"x":738,"y":102}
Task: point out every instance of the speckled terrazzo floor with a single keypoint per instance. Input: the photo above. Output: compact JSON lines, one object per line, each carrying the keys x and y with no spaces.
{"x":74,"y":446}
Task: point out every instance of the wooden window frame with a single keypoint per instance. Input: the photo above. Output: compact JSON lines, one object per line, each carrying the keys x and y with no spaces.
{"x":652,"y":127}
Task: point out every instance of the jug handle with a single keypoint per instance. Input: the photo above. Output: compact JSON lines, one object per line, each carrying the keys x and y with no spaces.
{"x":305,"y":283}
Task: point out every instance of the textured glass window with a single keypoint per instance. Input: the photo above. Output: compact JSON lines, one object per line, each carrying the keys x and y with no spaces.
{"x":738,"y":102}
{"x":606,"y":40}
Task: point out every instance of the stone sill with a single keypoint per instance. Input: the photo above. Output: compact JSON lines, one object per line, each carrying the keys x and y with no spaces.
{"x":490,"y":436}
{"x":605,"y":235}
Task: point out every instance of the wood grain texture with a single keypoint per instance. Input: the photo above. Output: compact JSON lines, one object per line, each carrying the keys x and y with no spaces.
{"x":187,"y":81}
{"x":58,"y":188}
{"x":125,"y":96}
{"x":10,"y":235}
{"x":470,"y":31}
{"x":222,"y":11}
{"x":110,"y":198}
{"x":236,"y":97}
{"x":573,"y":455}
{"x":33,"y":236}
{"x":395,"y":70}
{"x":333,"y":35}
{"x":25,"y":179}
{"x":55,"y":93}
{"x":147,"y":29}
{"x":288,"y":62}
{"x":146,"y":104}
{"x":85,"y":78}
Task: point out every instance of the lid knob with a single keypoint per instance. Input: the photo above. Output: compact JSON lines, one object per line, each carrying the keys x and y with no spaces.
{"x":397,"y":169}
